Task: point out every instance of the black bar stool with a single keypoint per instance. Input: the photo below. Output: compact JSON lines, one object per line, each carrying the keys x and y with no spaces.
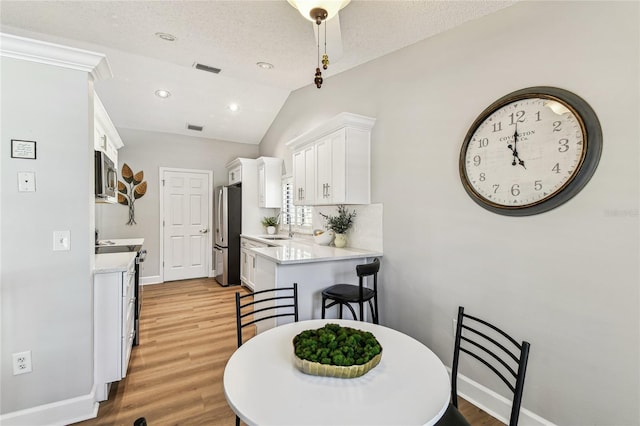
{"x":344,"y":294}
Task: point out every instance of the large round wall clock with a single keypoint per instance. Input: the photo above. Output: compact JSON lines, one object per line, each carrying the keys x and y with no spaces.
{"x":530,"y":151}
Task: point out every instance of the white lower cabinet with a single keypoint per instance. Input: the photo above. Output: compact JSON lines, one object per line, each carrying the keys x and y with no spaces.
{"x":248,"y":261}
{"x":114,"y":317}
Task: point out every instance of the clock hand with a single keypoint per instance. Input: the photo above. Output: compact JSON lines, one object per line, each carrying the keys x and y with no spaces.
{"x":514,"y":150}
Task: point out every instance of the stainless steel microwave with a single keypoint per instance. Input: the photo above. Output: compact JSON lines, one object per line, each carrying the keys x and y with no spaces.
{"x":106,"y":178}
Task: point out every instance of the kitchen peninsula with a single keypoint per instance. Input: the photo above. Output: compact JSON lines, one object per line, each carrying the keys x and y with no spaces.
{"x":312,"y":266}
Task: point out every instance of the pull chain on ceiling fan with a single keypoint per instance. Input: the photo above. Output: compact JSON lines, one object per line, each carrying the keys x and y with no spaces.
{"x":319,"y":11}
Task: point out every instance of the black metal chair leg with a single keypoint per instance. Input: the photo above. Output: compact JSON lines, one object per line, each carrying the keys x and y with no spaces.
{"x":374,"y":313}
{"x":353,"y":312}
{"x":375,"y":302}
{"x":346,"y":294}
{"x":323,"y":307}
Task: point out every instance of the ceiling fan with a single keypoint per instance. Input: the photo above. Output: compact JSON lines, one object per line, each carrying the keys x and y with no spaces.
{"x":319,"y":12}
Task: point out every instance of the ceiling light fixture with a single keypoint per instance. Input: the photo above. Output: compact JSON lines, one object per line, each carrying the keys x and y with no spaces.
{"x":265,"y":65}
{"x":166,"y":36}
{"x":164,"y":94}
{"x":319,"y":11}
{"x":233,"y":107}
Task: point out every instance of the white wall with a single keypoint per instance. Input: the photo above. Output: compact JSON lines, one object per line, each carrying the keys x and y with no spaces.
{"x":148,"y":151}
{"x":566,"y":280}
{"x":47,"y":296}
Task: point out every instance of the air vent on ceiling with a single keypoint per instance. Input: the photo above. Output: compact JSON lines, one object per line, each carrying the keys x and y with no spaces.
{"x":206,"y":68}
{"x":194,"y":127}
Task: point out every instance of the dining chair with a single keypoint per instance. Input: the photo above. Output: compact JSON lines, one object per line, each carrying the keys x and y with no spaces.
{"x":345,"y":294}
{"x":496,"y":350}
{"x":262,"y":305}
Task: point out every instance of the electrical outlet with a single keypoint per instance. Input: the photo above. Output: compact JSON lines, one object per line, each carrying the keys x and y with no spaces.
{"x":455,"y":326}
{"x":21,"y":362}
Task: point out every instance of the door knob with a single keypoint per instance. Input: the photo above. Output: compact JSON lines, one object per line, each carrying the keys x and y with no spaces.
{"x":204,"y":231}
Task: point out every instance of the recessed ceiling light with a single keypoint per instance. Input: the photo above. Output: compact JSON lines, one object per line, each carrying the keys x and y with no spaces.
{"x":233,"y":107}
{"x":265,"y":65}
{"x":166,"y":36}
{"x":164,"y":94}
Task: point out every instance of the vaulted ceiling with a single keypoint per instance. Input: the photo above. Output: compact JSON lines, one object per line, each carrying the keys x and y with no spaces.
{"x":232,"y":36}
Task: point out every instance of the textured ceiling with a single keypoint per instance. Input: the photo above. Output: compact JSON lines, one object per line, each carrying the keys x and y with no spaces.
{"x":232,"y":36}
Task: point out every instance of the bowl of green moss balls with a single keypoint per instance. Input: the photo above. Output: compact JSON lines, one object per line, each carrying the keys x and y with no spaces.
{"x":336,"y":351}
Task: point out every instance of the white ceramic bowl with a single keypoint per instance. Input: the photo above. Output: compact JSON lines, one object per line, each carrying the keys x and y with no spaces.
{"x":325,"y":238}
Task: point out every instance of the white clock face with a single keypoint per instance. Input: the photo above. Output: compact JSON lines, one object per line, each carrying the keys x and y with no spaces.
{"x":524,"y":152}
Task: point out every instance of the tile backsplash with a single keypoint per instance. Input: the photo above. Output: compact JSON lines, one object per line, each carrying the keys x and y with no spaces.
{"x":366,"y":232}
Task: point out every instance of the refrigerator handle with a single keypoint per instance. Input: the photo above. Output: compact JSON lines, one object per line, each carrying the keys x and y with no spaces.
{"x":219,"y":217}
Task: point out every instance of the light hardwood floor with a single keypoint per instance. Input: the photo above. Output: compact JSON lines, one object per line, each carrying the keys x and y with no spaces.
{"x":187,"y":335}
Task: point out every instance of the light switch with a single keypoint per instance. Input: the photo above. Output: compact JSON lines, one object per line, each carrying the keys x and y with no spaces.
{"x":26,"y":182}
{"x":61,"y":240}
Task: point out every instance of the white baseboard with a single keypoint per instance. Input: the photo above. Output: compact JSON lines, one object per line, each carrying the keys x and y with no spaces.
{"x":154,"y":279}
{"x":57,"y":413}
{"x":494,"y":404}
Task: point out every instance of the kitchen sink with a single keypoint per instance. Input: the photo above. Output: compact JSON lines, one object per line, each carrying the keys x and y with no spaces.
{"x":274,"y":237}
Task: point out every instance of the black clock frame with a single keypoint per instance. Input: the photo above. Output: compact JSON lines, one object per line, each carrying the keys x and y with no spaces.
{"x":592,"y":150}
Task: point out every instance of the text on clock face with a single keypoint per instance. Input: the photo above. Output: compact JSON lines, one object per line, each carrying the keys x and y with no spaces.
{"x":524,"y":152}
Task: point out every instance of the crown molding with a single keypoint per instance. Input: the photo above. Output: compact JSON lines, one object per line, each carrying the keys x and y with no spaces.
{"x":43,"y":52}
{"x":344,"y":119}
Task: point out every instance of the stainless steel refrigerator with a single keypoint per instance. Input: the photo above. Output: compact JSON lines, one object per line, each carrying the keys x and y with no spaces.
{"x":228,"y":221}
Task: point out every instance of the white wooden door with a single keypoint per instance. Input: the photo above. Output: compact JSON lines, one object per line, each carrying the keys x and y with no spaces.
{"x":186,"y":224}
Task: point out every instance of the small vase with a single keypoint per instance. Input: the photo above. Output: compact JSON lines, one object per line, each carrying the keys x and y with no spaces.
{"x":271,"y":230}
{"x":340,"y":240}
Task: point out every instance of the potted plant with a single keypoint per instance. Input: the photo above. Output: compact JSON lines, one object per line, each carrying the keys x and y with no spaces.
{"x":270,"y":222}
{"x":340,"y":224}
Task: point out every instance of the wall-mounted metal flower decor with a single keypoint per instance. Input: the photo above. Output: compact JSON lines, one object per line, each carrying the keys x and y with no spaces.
{"x":136,"y":189}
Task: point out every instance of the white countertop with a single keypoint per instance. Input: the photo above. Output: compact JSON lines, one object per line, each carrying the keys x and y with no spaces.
{"x":122,"y":242}
{"x":304,"y":251}
{"x":114,"y":262}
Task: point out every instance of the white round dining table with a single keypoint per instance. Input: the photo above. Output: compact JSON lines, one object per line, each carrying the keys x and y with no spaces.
{"x":410,"y":385}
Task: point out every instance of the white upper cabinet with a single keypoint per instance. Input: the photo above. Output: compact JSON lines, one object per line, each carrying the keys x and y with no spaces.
{"x":332,"y":162}
{"x":235,"y":174}
{"x":304,"y":166}
{"x":245,"y":171}
{"x":269,"y":182}
{"x":106,"y":137}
